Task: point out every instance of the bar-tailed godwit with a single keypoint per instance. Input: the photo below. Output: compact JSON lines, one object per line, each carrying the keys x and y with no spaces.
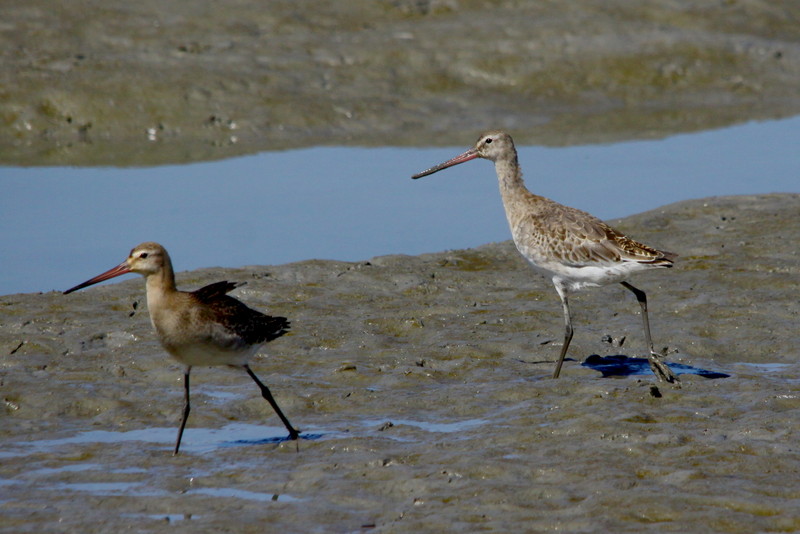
{"x":573,"y":247}
{"x":202,"y":327}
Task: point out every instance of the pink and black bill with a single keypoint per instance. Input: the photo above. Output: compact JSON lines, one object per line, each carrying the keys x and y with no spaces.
{"x":120,"y":269}
{"x":466,"y":156}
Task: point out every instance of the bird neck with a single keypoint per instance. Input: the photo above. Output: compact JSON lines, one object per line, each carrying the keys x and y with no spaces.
{"x":509,"y":175}
{"x":160,"y":285}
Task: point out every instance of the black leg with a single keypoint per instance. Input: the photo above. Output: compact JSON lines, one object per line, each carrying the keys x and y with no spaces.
{"x":567,"y":329}
{"x":642,"y":298}
{"x":660,"y":369}
{"x":186,"y":408}
{"x":293,"y":434}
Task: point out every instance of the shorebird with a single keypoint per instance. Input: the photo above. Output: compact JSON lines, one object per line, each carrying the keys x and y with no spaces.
{"x":574,"y":248}
{"x":202,"y":327}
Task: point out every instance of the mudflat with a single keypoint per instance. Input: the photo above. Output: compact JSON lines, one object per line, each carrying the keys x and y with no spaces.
{"x":422,"y":387}
{"x":148,"y":82}
{"x":421,"y":383}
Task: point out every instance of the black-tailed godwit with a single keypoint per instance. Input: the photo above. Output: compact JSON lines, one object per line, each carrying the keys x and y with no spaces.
{"x":202,"y":327}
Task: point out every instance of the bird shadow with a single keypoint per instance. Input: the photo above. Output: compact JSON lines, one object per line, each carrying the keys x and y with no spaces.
{"x":620,"y":365}
{"x":275,"y":440}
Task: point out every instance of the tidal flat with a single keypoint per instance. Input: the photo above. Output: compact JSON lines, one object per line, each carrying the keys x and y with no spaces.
{"x":422,"y":387}
{"x":151,"y":83}
{"x":421,"y":383}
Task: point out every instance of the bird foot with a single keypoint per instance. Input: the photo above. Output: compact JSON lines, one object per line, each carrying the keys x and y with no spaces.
{"x":662,"y":371}
{"x":294,"y":435}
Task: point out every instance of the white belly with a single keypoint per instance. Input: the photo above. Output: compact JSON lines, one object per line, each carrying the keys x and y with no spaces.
{"x":575,"y":277}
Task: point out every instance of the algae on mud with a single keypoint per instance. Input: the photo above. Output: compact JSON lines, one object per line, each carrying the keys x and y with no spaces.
{"x":153,"y":83}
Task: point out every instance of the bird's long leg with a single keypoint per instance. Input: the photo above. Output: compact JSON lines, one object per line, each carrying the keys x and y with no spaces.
{"x":186,"y":408}
{"x":660,"y":369}
{"x":293,"y":434}
{"x":562,"y":292}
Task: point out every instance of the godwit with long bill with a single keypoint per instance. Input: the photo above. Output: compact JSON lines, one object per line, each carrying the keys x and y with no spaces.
{"x":574,"y":248}
{"x":202,"y":327}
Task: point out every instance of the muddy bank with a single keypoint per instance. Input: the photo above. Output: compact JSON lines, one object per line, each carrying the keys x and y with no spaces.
{"x":120,"y":83}
{"x":421,"y":384}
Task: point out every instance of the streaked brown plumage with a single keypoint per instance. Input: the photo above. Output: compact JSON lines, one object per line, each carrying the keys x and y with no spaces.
{"x":573,"y":247}
{"x":203,"y":327}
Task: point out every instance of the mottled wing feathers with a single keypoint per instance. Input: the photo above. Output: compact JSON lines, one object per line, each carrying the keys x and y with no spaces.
{"x":577,"y":238}
{"x":640,"y":252}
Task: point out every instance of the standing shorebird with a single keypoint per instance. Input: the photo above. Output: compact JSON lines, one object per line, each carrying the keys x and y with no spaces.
{"x":575,"y":248}
{"x":203,"y":327}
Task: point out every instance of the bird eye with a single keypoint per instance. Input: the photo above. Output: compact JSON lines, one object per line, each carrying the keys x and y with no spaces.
{"x":488,"y":140}
{"x":143,"y":255}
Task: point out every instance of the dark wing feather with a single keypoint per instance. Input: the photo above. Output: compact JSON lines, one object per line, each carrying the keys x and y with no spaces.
{"x":250,"y":325}
{"x":214,"y":290}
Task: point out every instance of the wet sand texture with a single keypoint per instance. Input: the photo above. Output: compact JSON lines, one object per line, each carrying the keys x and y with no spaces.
{"x":149,"y":82}
{"x":421,"y":383}
{"x":454,"y":350}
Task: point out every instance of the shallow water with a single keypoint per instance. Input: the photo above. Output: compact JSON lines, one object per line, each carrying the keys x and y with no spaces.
{"x":351,"y":204}
{"x":579,"y":455}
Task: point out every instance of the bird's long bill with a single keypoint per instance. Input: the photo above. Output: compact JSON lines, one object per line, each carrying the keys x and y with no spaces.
{"x":466,"y":156}
{"x":120,"y":269}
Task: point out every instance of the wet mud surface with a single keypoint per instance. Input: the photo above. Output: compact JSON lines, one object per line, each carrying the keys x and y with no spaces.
{"x":148,"y":82}
{"x":422,"y":388}
{"x":421,"y":384}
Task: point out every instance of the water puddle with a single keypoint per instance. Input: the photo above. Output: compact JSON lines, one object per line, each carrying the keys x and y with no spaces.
{"x":130,"y":489}
{"x":76,"y":468}
{"x":766,"y":367}
{"x":168,"y":518}
{"x":145,"y":489}
{"x":784,"y":372}
{"x":244,"y":494}
{"x":195,"y":440}
{"x":444,"y":428}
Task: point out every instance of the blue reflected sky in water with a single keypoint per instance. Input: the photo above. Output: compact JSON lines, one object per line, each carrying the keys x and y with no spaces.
{"x":60,"y":226}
